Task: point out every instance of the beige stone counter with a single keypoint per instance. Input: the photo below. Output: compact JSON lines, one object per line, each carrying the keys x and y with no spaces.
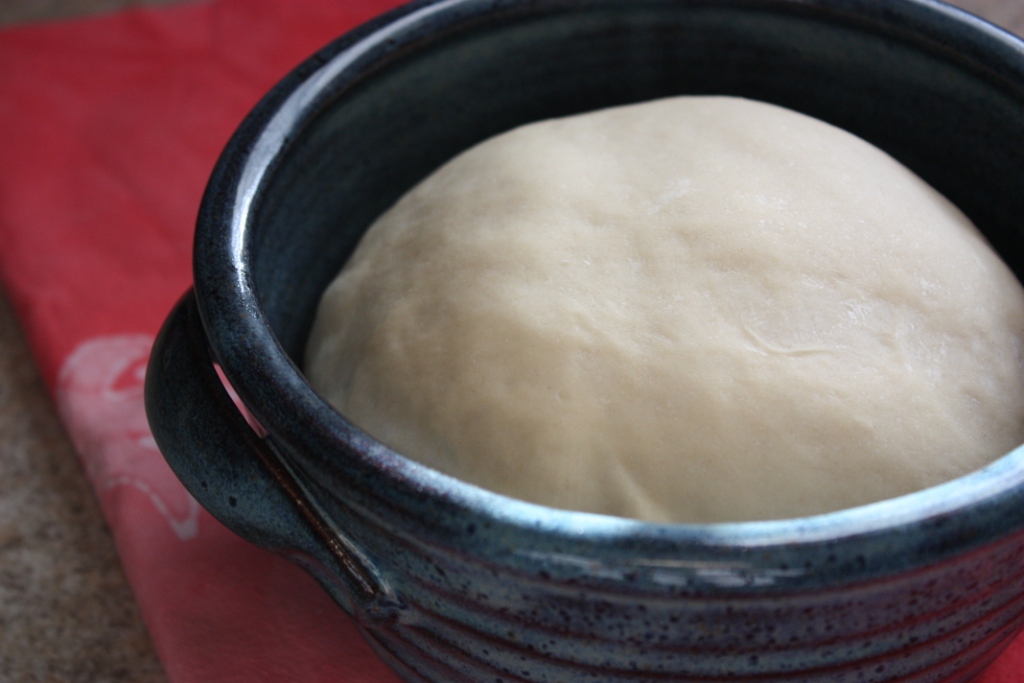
{"x":66,"y":612}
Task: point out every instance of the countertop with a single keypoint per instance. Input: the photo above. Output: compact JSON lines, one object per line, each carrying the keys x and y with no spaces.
{"x":66,"y":611}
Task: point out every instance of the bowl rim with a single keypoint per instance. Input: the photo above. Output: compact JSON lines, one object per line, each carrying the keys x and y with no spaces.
{"x":261,"y":372}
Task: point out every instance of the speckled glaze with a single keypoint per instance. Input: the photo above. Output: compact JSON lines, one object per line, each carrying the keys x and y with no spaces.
{"x":451,"y":583}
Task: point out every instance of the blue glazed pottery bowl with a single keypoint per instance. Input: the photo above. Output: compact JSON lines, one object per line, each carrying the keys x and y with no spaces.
{"x":451,"y":583}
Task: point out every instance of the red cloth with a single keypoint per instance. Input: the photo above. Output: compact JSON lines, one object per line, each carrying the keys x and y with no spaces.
{"x":109,"y":128}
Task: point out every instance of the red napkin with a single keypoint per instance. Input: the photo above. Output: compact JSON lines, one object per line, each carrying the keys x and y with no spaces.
{"x":109,"y":128}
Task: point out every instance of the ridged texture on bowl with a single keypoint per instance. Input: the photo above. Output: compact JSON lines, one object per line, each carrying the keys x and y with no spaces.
{"x":450,"y":617}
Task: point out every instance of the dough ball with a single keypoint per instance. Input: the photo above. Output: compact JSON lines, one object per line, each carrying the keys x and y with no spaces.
{"x":696,"y":309}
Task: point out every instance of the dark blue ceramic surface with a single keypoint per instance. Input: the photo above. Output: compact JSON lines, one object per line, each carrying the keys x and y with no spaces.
{"x":451,"y":583}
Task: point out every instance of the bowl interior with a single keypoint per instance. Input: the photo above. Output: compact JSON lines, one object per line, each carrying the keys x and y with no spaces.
{"x":902,"y":85}
{"x":339,"y":141}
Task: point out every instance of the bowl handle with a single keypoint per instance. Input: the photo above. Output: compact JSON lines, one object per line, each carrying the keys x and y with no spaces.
{"x":234,"y":473}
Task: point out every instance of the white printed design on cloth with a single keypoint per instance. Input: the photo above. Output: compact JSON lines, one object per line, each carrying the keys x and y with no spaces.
{"x":100,"y":398}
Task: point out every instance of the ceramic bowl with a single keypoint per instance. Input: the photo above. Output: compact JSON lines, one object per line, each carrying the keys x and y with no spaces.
{"x":451,"y":583}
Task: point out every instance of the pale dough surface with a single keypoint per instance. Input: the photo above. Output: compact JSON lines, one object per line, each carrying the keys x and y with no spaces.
{"x":693,"y":309}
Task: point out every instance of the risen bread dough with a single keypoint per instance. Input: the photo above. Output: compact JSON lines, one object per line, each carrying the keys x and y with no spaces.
{"x":690,"y":310}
